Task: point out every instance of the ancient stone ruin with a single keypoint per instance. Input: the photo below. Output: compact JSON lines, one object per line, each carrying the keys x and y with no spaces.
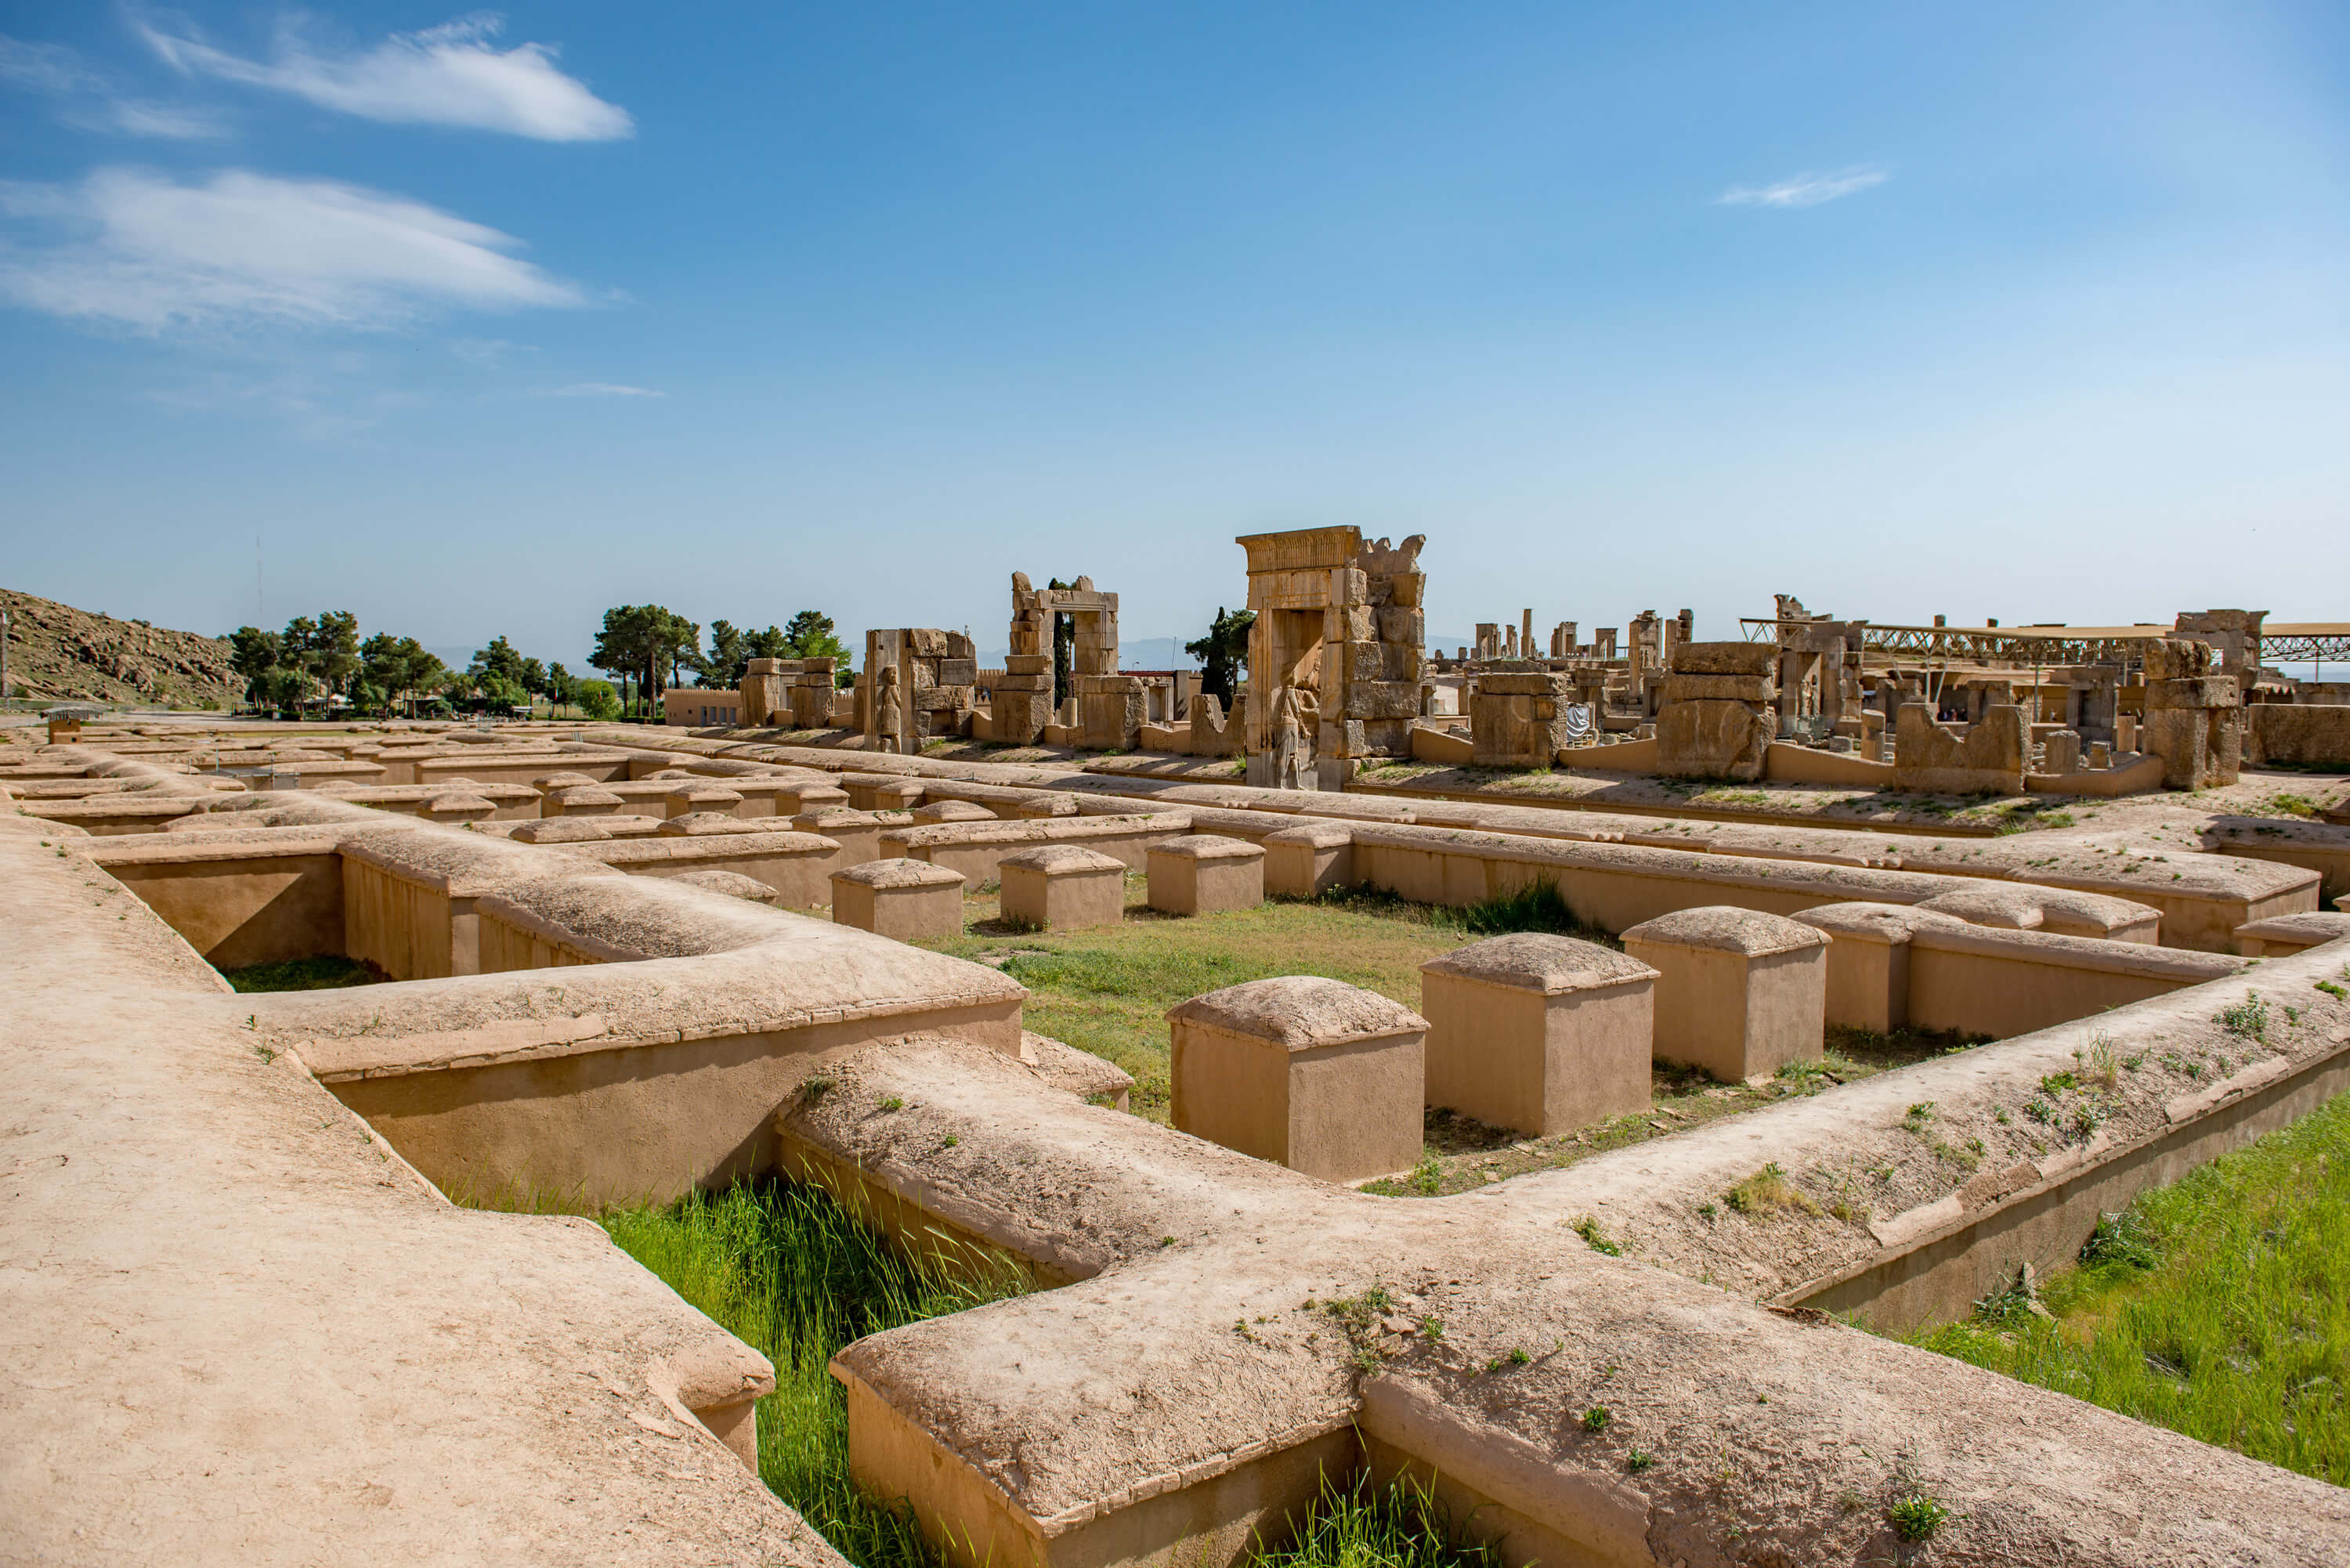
{"x":304,"y":1275}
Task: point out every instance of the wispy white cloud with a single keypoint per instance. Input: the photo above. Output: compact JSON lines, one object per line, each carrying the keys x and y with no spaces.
{"x":1805,"y":189}
{"x":449,"y":75}
{"x":42,"y":67}
{"x":144,"y":117}
{"x":139,"y":249}
{"x":93,"y":102}
{"x":603,"y":389}
{"x":488,"y":353}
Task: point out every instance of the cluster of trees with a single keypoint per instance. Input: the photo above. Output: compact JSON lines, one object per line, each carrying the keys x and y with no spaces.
{"x":647,"y":648}
{"x":1224,"y":653}
{"x":318,"y":664}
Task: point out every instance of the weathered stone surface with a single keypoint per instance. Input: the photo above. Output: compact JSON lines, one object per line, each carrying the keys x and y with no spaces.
{"x":1725,"y":659}
{"x":1722,"y":740}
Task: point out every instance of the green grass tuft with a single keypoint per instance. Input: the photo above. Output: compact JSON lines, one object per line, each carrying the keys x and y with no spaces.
{"x":788,"y":1271}
{"x":1358,"y":1523}
{"x":2219,"y":1307}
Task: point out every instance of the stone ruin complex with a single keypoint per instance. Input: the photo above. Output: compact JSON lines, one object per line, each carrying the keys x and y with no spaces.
{"x":602,"y":985}
{"x":249,"y":1321}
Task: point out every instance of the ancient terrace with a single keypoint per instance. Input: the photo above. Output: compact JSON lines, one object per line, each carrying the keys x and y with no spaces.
{"x":246,"y":1319}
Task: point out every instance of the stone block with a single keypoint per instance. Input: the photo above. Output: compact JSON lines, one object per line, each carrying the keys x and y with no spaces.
{"x":810,"y":795}
{"x":959,"y":647}
{"x":769,"y":667}
{"x":1028,"y":664}
{"x":581,"y":800}
{"x":1402,"y":662}
{"x":1681,"y":688}
{"x":1405,"y":623}
{"x":2061,"y":753}
{"x":457,"y":806}
{"x":731,"y":884}
{"x":1542,"y":1033}
{"x":1339,"y":738}
{"x":705,"y":796}
{"x":2192,"y":691}
{"x":941,"y":698}
{"x":1200,"y":873}
{"x":1318,"y":1076}
{"x":1408,"y":589}
{"x":879,"y":792}
{"x":1062,"y":887}
{"x":1382,"y":698}
{"x":957,"y":671}
{"x":910,"y":900}
{"x":1725,"y":659}
{"x":1309,"y":861}
{"x":1738,"y":992}
{"x":1387,"y":738}
{"x":927,"y":642}
{"x":857,"y":832}
{"x":1712,"y":739}
{"x":953,"y":811}
{"x":1356,"y":623}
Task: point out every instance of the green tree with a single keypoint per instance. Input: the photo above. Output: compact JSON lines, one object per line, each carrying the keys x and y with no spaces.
{"x":598,"y":699}
{"x":397,"y":670}
{"x":501,"y":659}
{"x":729,"y":659}
{"x":809,"y":635}
{"x":562,"y":687}
{"x":1224,"y":653}
{"x":646,"y":640}
{"x":253,"y":654}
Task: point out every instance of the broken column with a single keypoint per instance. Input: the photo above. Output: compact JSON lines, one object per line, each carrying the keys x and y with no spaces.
{"x":2193,"y":715}
{"x":1716,"y":717}
{"x":1517,"y":719}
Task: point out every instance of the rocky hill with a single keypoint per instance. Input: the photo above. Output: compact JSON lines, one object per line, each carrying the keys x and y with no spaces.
{"x":55,"y":651}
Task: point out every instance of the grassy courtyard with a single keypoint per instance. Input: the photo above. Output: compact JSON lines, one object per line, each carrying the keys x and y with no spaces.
{"x":2219,"y":1307}
{"x":1108,"y":991}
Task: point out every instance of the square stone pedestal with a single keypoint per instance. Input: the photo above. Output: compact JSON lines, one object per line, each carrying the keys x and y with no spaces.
{"x":798,"y":799}
{"x":858,"y":834}
{"x":1200,"y":873}
{"x":1318,"y":1076}
{"x":1309,"y":861}
{"x":457,"y":807}
{"x":870,"y":792}
{"x":687,"y":799}
{"x":911,"y":901}
{"x":1738,"y":994}
{"x":1541,"y":1033}
{"x":1062,"y":887}
{"x":952,"y":811}
{"x":581,"y":800}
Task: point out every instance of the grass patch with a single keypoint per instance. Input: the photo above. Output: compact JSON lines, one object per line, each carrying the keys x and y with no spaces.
{"x":2219,"y":1307}
{"x":788,"y":1271}
{"x":328,"y":971}
{"x":1766,"y":1193}
{"x":1360,"y":1524}
{"x":1108,"y":991}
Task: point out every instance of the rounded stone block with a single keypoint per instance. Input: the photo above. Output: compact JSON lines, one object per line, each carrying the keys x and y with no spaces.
{"x":702,"y":797}
{"x":1318,"y":1076}
{"x":1738,"y":992}
{"x":457,"y":807}
{"x":581,"y":800}
{"x":911,"y":901}
{"x":952,"y":811}
{"x":733,"y":884}
{"x":1537,"y":1032}
{"x":1062,"y":887}
{"x":1309,"y":861}
{"x":561,"y":830}
{"x":1200,"y":873}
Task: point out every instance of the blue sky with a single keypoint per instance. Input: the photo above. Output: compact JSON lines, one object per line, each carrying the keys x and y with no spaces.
{"x":482,"y":322}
